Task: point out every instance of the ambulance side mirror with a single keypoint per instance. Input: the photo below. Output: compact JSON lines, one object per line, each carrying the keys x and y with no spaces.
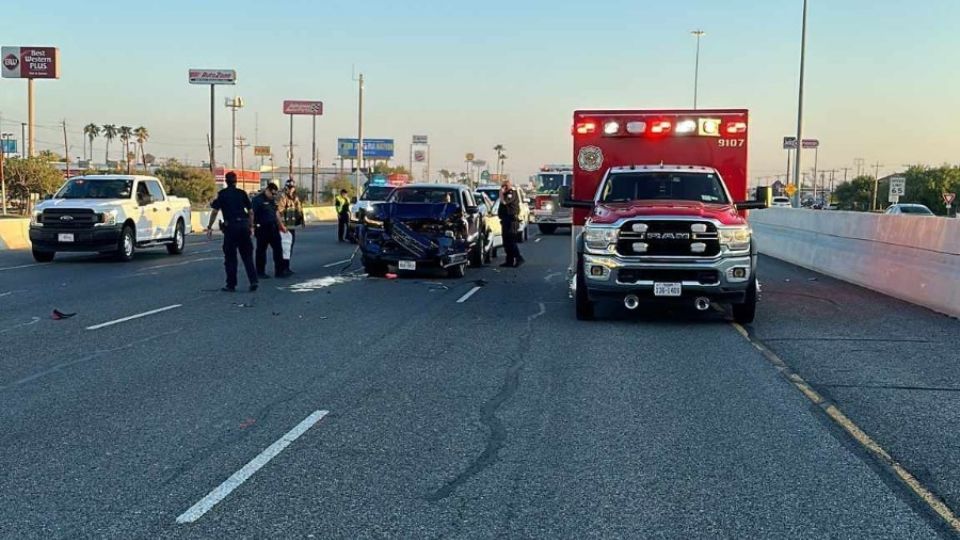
{"x":763,"y":199}
{"x":564,"y":194}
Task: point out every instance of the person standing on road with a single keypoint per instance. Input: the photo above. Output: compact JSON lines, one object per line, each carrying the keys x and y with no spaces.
{"x":291,"y":210}
{"x":342,"y":205}
{"x":237,"y":226}
{"x":509,"y":214}
{"x":269,"y":225}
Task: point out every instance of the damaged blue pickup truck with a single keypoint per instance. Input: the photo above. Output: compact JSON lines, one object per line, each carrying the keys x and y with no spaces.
{"x":423,"y":226}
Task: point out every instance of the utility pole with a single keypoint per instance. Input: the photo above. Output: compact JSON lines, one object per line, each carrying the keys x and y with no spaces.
{"x":66,"y":151}
{"x":3,"y":178}
{"x":845,"y":171}
{"x":23,"y":139}
{"x":290,"y":153}
{"x":233,"y":104}
{"x":803,"y":53}
{"x":213,"y":126}
{"x":31,"y":120}
{"x":359,"y":133}
{"x":313,"y":162}
{"x":859,"y":163}
{"x":876,"y":185}
{"x":696,"y":71}
{"x":242,"y":144}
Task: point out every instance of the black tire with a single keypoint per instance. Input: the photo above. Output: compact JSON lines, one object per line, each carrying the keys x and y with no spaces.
{"x":126,"y":245}
{"x":179,"y":239}
{"x":746,"y":312}
{"x":374,"y":268}
{"x":43,"y":256}
{"x":494,"y":253}
{"x":547,"y":228}
{"x":582,"y":299}
{"x":457,"y":271}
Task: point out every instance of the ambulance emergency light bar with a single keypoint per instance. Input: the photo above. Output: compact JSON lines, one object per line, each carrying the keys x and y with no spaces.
{"x":659,"y":127}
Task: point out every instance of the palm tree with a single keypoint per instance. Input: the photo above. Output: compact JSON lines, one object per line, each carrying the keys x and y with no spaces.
{"x":109,"y":133}
{"x":126,"y":133}
{"x":445,"y":174}
{"x":499,"y":149}
{"x":142,"y":136}
{"x":92,"y":131}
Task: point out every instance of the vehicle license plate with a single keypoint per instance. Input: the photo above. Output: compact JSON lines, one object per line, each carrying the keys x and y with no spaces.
{"x":667,"y":289}
{"x":65,"y":237}
{"x":407,"y":265}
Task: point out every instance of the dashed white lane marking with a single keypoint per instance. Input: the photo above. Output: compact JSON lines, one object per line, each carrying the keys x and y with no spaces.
{"x":336,"y":263}
{"x":33,"y":320}
{"x":548,"y":277}
{"x":159,"y":266}
{"x":132,"y":317}
{"x":543,"y":310}
{"x":537,"y":241}
{"x":204,"y":505}
{"x":24,"y":266}
{"x":470,"y":293}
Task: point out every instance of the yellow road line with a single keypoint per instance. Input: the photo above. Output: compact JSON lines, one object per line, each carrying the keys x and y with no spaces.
{"x":860,"y":436}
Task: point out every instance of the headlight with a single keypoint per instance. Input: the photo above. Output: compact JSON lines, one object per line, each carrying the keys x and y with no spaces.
{"x":370,"y":222}
{"x":548,"y":207}
{"x":736,"y":238}
{"x":598,"y":238}
{"x":35,"y":219}
{"x":108,"y":218}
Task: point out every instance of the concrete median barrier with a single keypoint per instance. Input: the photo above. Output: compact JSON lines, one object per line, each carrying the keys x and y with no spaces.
{"x":312,"y":214}
{"x":14,"y":233}
{"x":916,"y":259}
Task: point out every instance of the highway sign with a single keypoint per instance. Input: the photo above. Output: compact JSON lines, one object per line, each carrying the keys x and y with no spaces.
{"x":898,"y":187}
{"x":811,"y":143}
{"x":262,"y":151}
{"x":470,"y":156}
{"x":485,"y":176}
{"x":791,"y":190}
{"x":212,"y":76}
{"x":789,"y":143}
{"x":310,"y":108}
{"x":9,"y":146}
{"x":949,"y":198}
{"x":30,"y":62}
{"x":419,"y":139}
{"x":372,"y":148}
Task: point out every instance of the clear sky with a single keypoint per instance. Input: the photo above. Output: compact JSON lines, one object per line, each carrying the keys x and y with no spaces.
{"x":882,"y":75}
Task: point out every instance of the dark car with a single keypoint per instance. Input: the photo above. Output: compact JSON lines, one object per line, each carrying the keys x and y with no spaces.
{"x":423,"y":226}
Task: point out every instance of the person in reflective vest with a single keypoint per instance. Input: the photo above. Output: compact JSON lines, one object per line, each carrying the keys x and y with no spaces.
{"x":342,"y":205}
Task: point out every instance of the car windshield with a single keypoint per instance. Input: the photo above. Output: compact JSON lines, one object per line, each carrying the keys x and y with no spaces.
{"x":552,"y":182}
{"x":424,"y":195}
{"x":781,"y":200}
{"x":376,"y":193}
{"x":494,"y":194}
{"x":922,"y":210}
{"x":80,"y":188}
{"x":656,"y":185}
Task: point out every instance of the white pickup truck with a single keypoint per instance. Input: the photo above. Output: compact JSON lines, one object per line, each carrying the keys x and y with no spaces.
{"x":109,"y":214}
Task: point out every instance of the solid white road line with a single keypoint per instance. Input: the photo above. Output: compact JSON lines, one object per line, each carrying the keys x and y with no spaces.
{"x":467,"y":296}
{"x":24,"y":266}
{"x":171,"y":265}
{"x":204,"y":505}
{"x":336,"y":263}
{"x":132,"y":317}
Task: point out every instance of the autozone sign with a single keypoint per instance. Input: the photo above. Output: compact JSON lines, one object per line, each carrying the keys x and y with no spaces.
{"x":30,"y":62}
{"x":213,"y":76}
{"x":313,"y":108}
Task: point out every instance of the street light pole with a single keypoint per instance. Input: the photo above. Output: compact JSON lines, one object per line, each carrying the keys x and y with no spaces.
{"x":359,"y":133}
{"x":696,"y":70}
{"x":803,"y":53}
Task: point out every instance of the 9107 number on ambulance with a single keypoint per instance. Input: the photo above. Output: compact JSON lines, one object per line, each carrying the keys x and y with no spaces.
{"x":661,"y":196}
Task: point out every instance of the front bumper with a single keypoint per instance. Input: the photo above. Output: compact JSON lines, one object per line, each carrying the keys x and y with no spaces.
{"x":95,"y":239}
{"x":711,"y":278}
{"x":550,"y":218}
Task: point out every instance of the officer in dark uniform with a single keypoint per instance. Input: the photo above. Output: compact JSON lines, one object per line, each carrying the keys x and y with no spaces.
{"x":509,"y":214}
{"x":268,"y":224}
{"x":236,"y":227}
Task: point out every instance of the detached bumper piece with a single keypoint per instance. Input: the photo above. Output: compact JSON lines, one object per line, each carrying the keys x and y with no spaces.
{"x":397,"y":241}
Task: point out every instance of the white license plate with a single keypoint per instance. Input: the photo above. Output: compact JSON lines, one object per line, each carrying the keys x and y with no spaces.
{"x":65,"y":237}
{"x":407,"y":265}
{"x":667,"y":289}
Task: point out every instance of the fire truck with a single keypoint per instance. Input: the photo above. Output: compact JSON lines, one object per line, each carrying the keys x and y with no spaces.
{"x":661,"y":198}
{"x":547,"y":213}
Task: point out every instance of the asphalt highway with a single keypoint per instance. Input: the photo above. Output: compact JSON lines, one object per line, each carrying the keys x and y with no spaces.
{"x":331,"y":405}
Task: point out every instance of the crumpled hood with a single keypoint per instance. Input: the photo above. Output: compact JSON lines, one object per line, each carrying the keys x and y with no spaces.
{"x":608,"y":213}
{"x":414,"y":211}
{"x":91,"y":204}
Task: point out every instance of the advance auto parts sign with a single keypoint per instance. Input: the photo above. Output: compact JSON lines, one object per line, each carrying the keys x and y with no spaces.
{"x":30,"y":62}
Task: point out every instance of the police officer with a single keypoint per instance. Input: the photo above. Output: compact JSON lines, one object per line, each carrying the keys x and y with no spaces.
{"x":342,"y":205}
{"x":509,"y":214}
{"x":291,"y":209}
{"x":269,"y":225}
{"x":236,"y":226}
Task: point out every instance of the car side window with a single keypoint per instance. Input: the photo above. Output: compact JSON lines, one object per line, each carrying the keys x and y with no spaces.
{"x":467,"y":199}
{"x":142,"y":191}
{"x":155,"y":191}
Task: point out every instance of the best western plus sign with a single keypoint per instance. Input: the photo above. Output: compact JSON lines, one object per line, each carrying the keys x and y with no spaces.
{"x":31,"y":62}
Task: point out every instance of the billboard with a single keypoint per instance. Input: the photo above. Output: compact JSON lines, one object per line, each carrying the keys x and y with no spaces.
{"x":262,"y":151}
{"x":372,"y":148}
{"x":312,"y":108}
{"x":9,"y":146}
{"x":30,"y":62}
{"x":212,"y":76}
{"x":419,"y":156}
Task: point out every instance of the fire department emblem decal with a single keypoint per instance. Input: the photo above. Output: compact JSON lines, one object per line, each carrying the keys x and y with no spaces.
{"x":590,"y":158}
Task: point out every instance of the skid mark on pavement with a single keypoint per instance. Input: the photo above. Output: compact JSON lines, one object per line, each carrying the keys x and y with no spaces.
{"x":488,"y":417}
{"x":928,"y":498}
